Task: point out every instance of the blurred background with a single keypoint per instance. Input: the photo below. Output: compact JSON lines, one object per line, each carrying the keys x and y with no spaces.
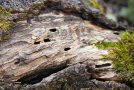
{"x":119,"y":10}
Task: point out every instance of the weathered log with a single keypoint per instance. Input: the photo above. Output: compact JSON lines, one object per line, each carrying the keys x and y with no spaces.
{"x":55,"y":51}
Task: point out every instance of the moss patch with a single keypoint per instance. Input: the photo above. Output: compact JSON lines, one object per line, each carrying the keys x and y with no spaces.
{"x":4,"y":22}
{"x":122,"y":54}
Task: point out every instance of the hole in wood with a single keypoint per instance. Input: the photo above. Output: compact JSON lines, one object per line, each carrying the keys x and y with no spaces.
{"x":15,"y":20}
{"x":47,"y":40}
{"x":103,"y":65}
{"x":37,"y":42}
{"x":17,"y":62}
{"x":67,"y":49}
{"x":37,"y":77}
{"x":53,"y":30}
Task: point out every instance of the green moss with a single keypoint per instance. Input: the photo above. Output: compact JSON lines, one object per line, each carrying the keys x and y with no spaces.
{"x":4,"y":22}
{"x":96,"y":5}
{"x":105,"y":45}
{"x":122,"y":55}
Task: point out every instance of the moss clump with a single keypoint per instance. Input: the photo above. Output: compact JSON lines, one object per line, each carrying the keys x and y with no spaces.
{"x":96,"y":5}
{"x":122,"y":54}
{"x":4,"y":22}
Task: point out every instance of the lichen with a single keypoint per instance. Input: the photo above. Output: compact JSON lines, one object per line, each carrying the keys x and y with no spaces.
{"x":122,"y":55}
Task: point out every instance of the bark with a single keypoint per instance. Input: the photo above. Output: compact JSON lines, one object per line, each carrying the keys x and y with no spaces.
{"x":55,"y":50}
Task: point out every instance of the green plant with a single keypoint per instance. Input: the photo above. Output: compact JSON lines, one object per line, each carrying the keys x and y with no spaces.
{"x":96,"y":5}
{"x":122,"y":54}
{"x":4,"y":22}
